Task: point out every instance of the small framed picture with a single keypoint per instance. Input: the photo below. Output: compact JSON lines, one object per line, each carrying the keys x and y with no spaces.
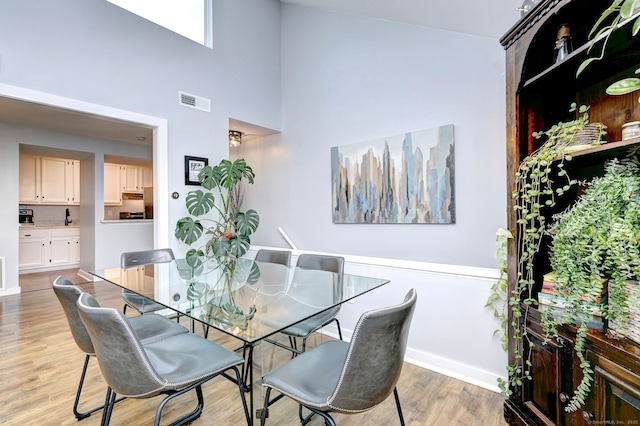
{"x":192,"y":166}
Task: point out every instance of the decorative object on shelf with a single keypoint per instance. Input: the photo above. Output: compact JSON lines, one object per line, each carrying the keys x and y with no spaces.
{"x":630,"y":130}
{"x":229,"y":234}
{"x":536,"y":191}
{"x":526,"y":7}
{"x":235,"y":138}
{"x":192,"y":167}
{"x":406,"y":178}
{"x":564,"y":44}
{"x":595,"y":242}
{"x":593,"y":134}
{"x":632,"y":329}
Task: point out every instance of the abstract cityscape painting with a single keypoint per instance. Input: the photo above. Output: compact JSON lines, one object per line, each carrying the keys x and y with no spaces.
{"x":407,"y":178}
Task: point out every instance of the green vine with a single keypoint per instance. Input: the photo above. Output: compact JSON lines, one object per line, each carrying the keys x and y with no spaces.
{"x":540,"y":179}
{"x":499,"y":290}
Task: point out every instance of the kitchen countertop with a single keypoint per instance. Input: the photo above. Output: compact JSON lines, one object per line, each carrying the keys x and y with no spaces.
{"x":128,"y":221}
{"x":48,"y":225}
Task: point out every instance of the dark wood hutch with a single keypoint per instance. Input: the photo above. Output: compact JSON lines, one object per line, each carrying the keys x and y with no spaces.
{"x":539,"y":93}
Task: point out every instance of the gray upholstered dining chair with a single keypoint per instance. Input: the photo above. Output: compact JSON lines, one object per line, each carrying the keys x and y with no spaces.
{"x":138,"y":258}
{"x":149,"y":328}
{"x":282,"y":257}
{"x":348,"y":378}
{"x":172,"y":366}
{"x":303,"y":329}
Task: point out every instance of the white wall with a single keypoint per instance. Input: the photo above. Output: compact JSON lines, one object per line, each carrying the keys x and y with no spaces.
{"x":349,"y":79}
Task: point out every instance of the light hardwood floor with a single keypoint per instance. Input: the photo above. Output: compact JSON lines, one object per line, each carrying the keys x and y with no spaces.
{"x":40,"y":367}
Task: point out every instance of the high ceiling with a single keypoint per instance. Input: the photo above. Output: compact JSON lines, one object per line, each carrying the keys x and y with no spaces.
{"x":485,"y":18}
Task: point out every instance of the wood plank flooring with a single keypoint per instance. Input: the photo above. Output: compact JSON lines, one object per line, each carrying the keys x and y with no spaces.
{"x":40,"y":367}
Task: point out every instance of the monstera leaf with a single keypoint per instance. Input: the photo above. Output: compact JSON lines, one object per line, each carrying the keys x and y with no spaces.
{"x":232,"y":245}
{"x":200,"y":203}
{"x":209,"y":177}
{"x":247,"y":222}
{"x":247,"y":272}
{"x":232,"y":173}
{"x":188,"y":230}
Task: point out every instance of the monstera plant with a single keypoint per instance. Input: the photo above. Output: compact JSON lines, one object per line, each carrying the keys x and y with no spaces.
{"x":220,"y":232}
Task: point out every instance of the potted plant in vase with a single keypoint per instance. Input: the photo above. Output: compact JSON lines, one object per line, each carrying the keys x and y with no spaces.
{"x":214,"y":212}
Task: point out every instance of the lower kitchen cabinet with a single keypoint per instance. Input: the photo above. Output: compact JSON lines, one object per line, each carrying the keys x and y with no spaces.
{"x":48,"y":248}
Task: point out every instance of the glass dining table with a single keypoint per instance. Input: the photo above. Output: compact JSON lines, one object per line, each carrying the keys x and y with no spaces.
{"x":253,"y":302}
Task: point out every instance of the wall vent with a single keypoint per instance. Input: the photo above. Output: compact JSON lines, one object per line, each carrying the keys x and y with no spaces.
{"x":192,"y":101}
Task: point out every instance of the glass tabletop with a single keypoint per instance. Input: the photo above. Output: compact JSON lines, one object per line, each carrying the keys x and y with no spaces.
{"x":254,"y":302}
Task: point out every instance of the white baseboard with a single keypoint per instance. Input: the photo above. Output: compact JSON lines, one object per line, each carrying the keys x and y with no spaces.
{"x":465,"y":373}
{"x":87,"y":276}
{"x":10,"y":291}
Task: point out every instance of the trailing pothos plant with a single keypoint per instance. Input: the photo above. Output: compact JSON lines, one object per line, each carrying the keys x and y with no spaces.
{"x":595,"y":250}
{"x":540,"y":179}
{"x":214,"y":212}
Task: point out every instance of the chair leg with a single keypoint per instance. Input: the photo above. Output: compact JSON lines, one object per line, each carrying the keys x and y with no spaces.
{"x":294,"y":344}
{"x":265,"y":409}
{"x":338,"y":325}
{"x":79,"y":415}
{"x":85,"y":414}
{"x":328,"y":420}
{"x":304,"y":420}
{"x":109,"y":402}
{"x":397,"y":398}
{"x":188,"y":417}
{"x":242,"y":397}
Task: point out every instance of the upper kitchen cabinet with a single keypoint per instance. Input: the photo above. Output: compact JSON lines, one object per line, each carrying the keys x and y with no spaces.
{"x":112,"y":186}
{"x":73,"y":181}
{"x":134,"y":178}
{"x":48,"y":180}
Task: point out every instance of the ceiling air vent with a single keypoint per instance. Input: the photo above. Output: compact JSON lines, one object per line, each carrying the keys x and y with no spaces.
{"x":192,"y":101}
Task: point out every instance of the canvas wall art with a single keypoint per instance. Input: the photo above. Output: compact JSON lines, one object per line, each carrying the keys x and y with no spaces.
{"x":407,"y":178}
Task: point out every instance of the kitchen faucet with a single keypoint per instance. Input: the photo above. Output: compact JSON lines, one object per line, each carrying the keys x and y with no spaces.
{"x":67,"y":221}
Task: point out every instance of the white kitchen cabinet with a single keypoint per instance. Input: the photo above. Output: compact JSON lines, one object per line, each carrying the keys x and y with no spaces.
{"x":146,"y":177}
{"x":130,"y":178}
{"x":29,"y":176}
{"x":48,"y":180}
{"x":134,"y":178}
{"x":60,"y":253}
{"x":32,"y":251}
{"x":48,"y":248}
{"x":74,"y":256}
{"x":112,"y":187}
{"x":54,"y":182}
{"x":72,"y":184}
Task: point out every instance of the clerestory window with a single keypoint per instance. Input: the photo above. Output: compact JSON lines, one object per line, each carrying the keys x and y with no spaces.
{"x":189,"y":18}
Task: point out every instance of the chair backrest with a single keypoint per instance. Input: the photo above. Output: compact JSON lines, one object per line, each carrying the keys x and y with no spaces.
{"x":321,"y":262}
{"x":68,"y":295}
{"x":145,"y":257}
{"x":282,"y":257}
{"x":375,"y":357}
{"x":123,"y":362}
